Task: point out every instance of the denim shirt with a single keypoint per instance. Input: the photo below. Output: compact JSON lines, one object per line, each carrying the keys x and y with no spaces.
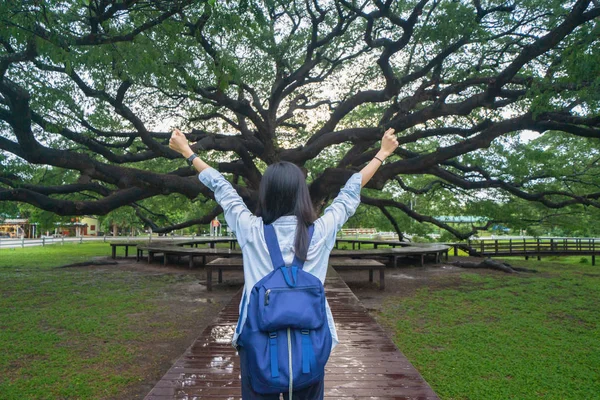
{"x":248,"y":229}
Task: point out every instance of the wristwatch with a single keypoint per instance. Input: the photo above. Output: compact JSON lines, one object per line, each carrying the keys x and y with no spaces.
{"x":190,"y":159}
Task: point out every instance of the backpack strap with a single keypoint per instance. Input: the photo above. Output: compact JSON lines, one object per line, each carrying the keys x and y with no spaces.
{"x":275,"y":251}
{"x":273,"y":246}
{"x":274,"y":353}
{"x":297,"y":261}
{"x":309,"y":361}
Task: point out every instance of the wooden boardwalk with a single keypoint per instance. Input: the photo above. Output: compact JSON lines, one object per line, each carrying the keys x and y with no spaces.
{"x":365,"y":365}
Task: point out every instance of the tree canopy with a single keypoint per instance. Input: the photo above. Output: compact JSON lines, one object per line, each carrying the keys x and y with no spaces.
{"x":496,"y":104}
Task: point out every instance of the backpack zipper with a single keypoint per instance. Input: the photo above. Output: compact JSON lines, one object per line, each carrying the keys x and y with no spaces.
{"x":268,"y":291}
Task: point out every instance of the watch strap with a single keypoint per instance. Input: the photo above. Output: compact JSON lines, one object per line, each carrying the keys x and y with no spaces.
{"x":190,"y":159}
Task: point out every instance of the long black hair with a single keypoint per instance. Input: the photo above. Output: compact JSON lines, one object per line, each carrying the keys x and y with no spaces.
{"x":283,"y":191}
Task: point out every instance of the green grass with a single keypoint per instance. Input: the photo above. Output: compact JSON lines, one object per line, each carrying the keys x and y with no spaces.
{"x":571,"y":260}
{"x":73,"y":333}
{"x":499,"y":336}
{"x":52,"y":255}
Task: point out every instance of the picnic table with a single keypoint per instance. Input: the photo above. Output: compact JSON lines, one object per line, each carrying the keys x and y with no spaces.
{"x":357,"y":259}
{"x":185,"y":251}
{"x":220,"y":264}
{"x":340,"y":264}
{"x":127,"y":245}
{"x":394,"y":253}
{"x":374,"y":242}
{"x":210,"y":241}
{"x":191,"y":242}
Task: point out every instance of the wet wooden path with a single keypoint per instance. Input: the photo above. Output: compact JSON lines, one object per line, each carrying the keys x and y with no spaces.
{"x":365,"y":365}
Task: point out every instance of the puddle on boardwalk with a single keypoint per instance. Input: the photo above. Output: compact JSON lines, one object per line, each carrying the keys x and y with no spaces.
{"x":222,"y":333}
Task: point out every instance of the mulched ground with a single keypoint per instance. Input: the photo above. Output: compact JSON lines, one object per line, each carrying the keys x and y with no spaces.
{"x":190,"y":307}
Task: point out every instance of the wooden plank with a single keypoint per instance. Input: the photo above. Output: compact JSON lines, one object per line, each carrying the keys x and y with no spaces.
{"x":361,"y":264}
{"x":220,"y":264}
{"x":353,"y":262}
{"x":391,"y":253}
{"x":365,"y":365}
{"x":227,"y":262}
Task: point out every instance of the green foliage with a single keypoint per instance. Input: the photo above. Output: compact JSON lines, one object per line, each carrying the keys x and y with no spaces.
{"x":123,"y":217}
{"x":45,"y":219}
{"x":259,"y":43}
{"x":552,"y":162}
{"x":8,"y":210}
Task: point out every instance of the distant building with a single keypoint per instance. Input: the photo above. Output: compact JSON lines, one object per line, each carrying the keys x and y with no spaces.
{"x":92,"y":227}
{"x":79,"y":226}
{"x":17,"y":227}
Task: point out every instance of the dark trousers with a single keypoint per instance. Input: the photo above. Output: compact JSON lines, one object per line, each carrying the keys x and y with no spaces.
{"x":313,"y":392}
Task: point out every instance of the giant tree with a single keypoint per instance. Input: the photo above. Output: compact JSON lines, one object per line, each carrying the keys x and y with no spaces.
{"x":90,"y":89}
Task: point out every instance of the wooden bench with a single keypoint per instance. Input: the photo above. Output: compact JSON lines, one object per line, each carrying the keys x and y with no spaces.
{"x":166,"y":251}
{"x":374,"y":242}
{"x":421,"y":253}
{"x":392,"y":254}
{"x":211,"y":242}
{"x":220,"y":264}
{"x":127,"y":245}
{"x":185,"y":251}
{"x":341,"y":264}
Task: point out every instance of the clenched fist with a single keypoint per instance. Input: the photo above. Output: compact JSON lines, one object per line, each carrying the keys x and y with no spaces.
{"x":179,"y":143}
{"x":389,"y":142}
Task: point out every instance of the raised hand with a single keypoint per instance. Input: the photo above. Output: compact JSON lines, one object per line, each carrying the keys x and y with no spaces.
{"x":389,"y":142}
{"x":179,"y":143}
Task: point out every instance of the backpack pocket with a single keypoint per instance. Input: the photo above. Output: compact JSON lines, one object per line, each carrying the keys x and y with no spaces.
{"x":302,"y":307}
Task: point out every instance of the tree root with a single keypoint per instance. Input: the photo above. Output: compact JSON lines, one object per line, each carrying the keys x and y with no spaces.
{"x":488,"y":263}
{"x":88,"y":263}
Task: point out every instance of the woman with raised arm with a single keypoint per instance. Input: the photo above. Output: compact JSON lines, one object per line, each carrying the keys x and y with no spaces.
{"x":285,"y":204}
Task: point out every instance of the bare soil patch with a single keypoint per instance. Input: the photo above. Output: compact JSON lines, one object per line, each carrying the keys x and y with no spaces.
{"x":406,"y":279}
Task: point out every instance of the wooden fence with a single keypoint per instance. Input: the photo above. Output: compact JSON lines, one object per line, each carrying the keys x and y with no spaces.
{"x":530,"y":247}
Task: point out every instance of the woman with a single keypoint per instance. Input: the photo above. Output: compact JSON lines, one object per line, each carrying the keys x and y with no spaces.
{"x":284,"y":202}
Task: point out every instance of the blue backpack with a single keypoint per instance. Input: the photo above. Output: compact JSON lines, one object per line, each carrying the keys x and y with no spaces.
{"x":286,"y":335}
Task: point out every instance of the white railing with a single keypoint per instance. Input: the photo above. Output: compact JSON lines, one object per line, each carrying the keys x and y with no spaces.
{"x":366,"y":233}
{"x":387,"y":235}
{"x":49,"y":240}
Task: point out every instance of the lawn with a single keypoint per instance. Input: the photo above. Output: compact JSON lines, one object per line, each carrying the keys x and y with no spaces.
{"x":78,"y":333}
{"x":51,"y":255}
{"x":490,"y":335}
